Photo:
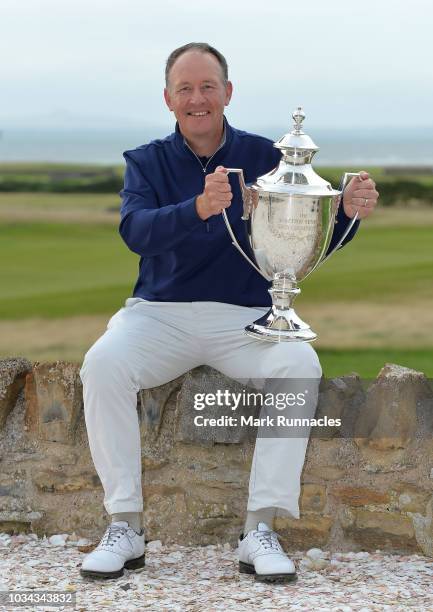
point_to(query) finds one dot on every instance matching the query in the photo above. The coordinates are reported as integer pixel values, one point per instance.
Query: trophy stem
(281, 323)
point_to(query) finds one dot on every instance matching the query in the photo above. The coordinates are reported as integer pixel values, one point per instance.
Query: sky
(100, 63)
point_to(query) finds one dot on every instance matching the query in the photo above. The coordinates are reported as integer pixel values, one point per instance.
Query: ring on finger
(365, 202)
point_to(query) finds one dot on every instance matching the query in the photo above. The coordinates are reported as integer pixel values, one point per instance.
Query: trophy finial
(297, 139)
(298, 117)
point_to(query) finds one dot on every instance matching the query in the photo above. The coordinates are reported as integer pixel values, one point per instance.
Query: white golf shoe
(260, 553)
(121, 547)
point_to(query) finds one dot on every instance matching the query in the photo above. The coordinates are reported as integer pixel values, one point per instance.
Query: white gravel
(197, 579)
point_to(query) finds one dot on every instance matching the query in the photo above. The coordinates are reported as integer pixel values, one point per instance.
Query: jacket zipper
(204, 168)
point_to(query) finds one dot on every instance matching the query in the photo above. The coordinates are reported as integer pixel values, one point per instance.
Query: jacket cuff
(346, 220)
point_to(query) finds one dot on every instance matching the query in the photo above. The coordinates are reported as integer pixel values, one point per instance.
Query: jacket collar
(225, 142)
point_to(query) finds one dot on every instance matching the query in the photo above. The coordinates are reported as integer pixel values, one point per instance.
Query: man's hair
(203, 48)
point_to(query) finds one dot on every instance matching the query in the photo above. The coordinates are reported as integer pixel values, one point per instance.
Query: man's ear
(167, 98)
(229, 91)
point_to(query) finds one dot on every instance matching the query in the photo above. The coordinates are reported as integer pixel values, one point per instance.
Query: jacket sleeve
(340, 227)
(147, 229)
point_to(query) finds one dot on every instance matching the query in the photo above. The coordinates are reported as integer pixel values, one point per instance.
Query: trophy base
(279, 325)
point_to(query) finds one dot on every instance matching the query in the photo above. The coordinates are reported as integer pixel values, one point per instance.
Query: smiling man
(193, 297)
(197, 91)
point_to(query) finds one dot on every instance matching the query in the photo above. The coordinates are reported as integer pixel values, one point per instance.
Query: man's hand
(360, 196)
(216, 196)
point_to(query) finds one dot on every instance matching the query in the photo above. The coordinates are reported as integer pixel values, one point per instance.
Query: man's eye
(184, 89)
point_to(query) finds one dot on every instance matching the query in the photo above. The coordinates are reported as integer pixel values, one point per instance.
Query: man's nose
(197, 96)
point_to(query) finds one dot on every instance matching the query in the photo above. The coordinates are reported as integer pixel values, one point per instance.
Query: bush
(393, 189)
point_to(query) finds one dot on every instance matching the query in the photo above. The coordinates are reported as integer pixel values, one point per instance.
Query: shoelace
(269, 540)
(112, 534)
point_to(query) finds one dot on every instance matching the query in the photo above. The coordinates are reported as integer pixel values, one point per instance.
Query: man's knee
(312, 364)
(297, 361)
(93, 367)
(101, 367)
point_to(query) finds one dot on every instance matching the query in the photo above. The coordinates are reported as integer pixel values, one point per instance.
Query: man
(193, 297)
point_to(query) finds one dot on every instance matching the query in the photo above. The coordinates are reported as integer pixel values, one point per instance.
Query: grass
(382, 264)
(368, 362)
(53, 202)
(73, 269)
(30, 168)
(56, 269)
(65, 270)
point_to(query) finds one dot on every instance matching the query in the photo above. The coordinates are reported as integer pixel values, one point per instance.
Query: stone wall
(371, 489)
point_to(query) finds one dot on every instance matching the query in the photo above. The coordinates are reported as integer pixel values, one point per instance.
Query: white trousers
(147, 344)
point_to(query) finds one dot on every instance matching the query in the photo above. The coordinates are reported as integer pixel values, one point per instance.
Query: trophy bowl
(290, 214)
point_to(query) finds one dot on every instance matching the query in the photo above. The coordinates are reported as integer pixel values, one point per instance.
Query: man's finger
(221, 187)
(356, 185)
(219, 177)
(219, 194)
(368, 184)
(362, 207)
(222, 197)
(221, 169)
(218, 191)
(365, 193)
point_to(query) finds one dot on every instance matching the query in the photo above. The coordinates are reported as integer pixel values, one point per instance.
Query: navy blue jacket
(182, 258)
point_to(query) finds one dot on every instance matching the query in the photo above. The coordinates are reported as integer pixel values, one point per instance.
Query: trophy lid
(297, 139)
(294, 175)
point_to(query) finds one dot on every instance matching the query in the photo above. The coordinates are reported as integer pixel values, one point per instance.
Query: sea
(373, 147)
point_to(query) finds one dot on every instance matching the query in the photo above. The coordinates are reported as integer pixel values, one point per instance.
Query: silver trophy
(290, 214)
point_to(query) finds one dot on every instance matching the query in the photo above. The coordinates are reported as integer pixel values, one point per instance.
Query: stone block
(12, 380)
(165, 509)
(19, 522)
(13, 485)
(311, 530)
(200, 509)
(398, 407)
(152, 463)
(410, 498)
(53, 401)
(313, 497)
(332, 454)
(386, 461)
(205, 380)
(214, 527)
(152, 404)
(339, 398)
(220, 492)
(162, 490)
(324, 472)
(59, 482)
(360, 496)
(383, 530)
(423, 526)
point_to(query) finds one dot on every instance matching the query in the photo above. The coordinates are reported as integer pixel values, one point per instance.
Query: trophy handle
(246, 199)
(245, 191)
(342, 186)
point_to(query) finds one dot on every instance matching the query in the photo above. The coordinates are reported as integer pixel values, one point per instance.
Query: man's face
(196, 93)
